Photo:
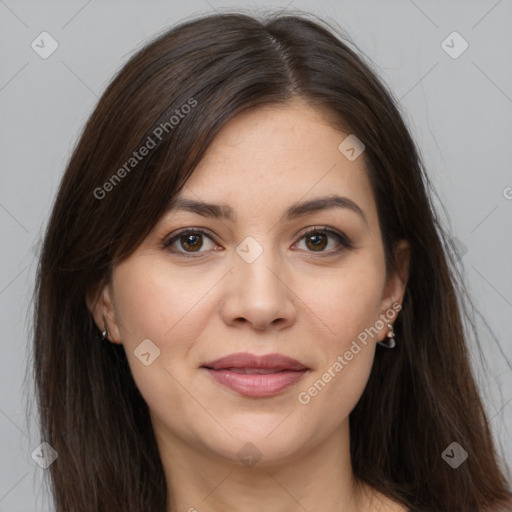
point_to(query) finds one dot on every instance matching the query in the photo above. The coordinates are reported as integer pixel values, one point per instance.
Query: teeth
(261, 371)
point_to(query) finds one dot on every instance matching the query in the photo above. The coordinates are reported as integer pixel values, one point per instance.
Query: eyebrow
(295, 211)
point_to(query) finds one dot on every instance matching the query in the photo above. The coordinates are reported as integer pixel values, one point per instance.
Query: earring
(104, 334)
(391, 338)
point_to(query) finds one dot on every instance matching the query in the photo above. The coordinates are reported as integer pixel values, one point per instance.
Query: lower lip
(255, 384)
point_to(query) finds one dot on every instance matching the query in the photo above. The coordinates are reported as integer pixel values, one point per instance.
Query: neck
(320, 479)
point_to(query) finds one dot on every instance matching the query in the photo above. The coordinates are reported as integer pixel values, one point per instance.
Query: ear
(100, 304)
(397, 281)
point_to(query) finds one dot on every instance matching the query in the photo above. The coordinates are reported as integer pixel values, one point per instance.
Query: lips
(241, 361)
(259, 371)
(256, 376)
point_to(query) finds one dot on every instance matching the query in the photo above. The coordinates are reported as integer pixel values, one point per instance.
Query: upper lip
(246, 360)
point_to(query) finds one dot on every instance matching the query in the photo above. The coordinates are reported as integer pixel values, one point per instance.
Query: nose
(259, 293)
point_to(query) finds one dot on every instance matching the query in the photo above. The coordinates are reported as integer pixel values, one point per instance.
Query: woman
(244, 301)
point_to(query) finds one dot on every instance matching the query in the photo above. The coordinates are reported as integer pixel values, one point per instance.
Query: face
(271, 279)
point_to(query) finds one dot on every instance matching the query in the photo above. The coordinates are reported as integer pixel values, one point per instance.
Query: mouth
(256, 376)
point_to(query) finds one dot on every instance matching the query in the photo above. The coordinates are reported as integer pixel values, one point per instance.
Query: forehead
(272, 157)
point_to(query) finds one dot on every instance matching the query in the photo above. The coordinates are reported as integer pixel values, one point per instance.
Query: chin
(254, 441)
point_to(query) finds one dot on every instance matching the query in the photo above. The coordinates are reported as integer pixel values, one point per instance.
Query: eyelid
(342, 239)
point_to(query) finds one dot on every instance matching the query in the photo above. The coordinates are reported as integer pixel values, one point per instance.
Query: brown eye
(188, 241)
(192, 242)
(317, 240)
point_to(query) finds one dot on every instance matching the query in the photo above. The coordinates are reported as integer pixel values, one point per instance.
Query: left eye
(316, 240)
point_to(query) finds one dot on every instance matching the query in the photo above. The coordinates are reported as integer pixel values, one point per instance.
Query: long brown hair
(172, 97)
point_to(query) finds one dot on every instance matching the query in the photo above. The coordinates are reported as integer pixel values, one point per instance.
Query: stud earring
(391, 343)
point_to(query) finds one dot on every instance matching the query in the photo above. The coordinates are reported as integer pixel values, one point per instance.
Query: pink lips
(256, 376)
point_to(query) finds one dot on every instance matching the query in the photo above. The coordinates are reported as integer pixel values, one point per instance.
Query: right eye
(191, 241)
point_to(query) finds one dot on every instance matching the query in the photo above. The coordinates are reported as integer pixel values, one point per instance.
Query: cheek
(348, 300)
(153, 304)
(327, 400)
(168, 308)
(350, 308)
(156, 303)
(349, 304)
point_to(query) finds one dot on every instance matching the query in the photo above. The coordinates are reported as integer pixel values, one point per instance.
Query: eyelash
(340, 237)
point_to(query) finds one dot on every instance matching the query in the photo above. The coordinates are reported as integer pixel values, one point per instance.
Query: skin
(290, 300)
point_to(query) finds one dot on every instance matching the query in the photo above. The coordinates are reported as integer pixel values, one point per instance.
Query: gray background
(459, 111)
